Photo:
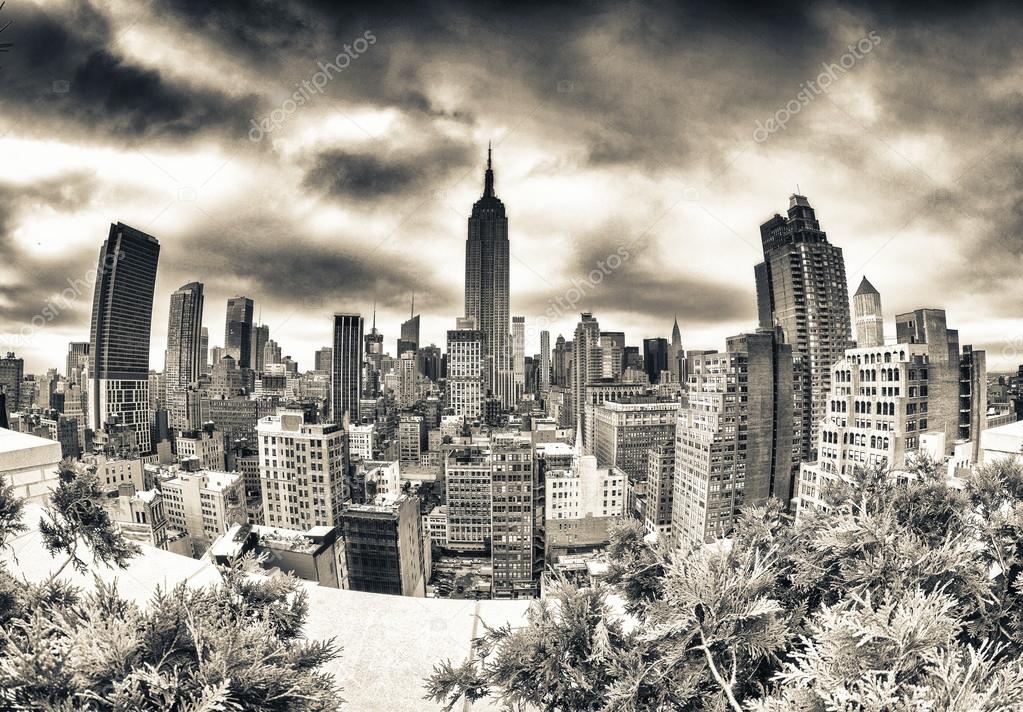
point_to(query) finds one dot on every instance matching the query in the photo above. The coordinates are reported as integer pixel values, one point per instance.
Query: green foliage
(563, 659)
(232, 646)
(904, 594)
(634, 567)
(75, 516)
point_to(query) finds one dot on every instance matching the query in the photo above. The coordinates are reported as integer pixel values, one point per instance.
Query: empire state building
(486, 286)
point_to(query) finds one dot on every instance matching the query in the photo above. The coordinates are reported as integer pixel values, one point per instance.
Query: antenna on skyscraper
(374, 315)
(489, 165)
(413, 304)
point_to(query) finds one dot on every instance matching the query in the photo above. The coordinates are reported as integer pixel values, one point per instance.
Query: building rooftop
(215, 481)
(555, 448)
(147, 496)
(389, 644)
(31, 449)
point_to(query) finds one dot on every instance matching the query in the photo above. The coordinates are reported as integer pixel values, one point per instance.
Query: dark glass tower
(184, 336)
(238, 331)
(655, 357)
(486, 285)
(801, 287)
(346, 370)
(183, 362)
(122, 312)
(260, 336)
(409, 340)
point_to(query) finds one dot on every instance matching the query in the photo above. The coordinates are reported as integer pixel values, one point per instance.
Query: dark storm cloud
(921, 133)
(602, 72)
(303, 273)
(65, 71)
(611, 270)
(36, 280)
(379, 173)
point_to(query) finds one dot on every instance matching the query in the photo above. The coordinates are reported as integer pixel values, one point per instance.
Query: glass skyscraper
(184, 360)
(122, 311)
(238, 331)
(346, 370)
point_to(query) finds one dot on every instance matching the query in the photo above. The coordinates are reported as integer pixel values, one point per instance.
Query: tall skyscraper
(260, 338)
(346, 372)
(676, 356)
(374, 355)
(518, 343)
(204, 350)
(867, 314)
(801, 287)
(122, 314)
(77, 359)
(322, 359)
(586, 366)
(545, 362)
(612, 347)
(655, 358)
(733, 450)
(374, 339)
(184, 336)
(238, 331)
(559, 366)
(216, 354)
(486, 284)
(271, 354)
(182, 361)
(409, 340)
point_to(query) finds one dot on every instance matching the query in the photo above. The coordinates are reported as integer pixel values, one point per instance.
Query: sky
(318, 159)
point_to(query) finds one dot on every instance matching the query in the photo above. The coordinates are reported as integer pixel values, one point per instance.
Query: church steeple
(488, 176)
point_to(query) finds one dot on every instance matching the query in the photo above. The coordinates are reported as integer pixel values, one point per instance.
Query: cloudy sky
(661, 133)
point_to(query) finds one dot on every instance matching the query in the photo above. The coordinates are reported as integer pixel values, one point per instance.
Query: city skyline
(345, 190)
(676, 345)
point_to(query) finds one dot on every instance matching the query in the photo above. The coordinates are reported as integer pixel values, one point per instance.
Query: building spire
(374, 315)
(413, 313)
(488, 176)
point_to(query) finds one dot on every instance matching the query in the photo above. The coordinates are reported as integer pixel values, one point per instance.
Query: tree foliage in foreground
(903, 596)
(235, 645)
